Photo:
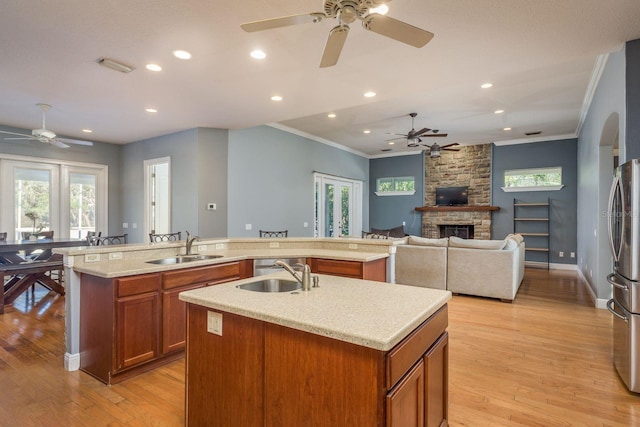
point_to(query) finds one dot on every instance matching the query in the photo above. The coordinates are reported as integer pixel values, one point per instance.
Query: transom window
(536, 179)
(396, 186)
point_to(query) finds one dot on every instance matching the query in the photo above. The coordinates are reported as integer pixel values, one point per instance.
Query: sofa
(486, 268)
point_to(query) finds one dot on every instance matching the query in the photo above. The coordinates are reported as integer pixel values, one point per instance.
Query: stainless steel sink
(183, 258)
(271, 285)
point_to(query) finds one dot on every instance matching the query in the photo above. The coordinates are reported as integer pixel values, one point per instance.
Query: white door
(338, 206)
(158, 196)
(84, 201)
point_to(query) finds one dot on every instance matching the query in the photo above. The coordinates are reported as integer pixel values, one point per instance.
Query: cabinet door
(405, 402)
(436, 368)
(137, 329)
(174, 319)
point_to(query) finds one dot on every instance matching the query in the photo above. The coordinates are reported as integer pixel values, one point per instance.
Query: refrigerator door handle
(614, 188)
(611, 278)
(614, 312)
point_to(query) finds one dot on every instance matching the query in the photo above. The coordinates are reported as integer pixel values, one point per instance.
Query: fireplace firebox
(463, 231)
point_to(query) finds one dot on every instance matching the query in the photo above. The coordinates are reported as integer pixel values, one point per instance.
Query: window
(396, 186)
(539, 179)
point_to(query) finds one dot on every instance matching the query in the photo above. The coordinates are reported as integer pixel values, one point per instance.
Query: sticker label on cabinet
(214, 323)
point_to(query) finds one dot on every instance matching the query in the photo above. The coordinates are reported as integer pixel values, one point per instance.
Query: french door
(338, 206)
(44, 196)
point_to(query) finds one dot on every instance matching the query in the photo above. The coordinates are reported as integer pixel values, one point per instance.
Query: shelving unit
(536, 228)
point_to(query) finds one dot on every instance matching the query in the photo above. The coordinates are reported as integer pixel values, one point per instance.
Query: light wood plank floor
(544, 360)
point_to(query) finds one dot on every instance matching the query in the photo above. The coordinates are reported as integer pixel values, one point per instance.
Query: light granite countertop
(377, 315)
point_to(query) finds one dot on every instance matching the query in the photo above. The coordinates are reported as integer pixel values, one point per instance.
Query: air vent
(115, 65)
(538, 132)
(384, 150)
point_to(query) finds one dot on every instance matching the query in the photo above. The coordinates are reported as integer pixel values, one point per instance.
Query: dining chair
(166, 237)
(45, 234)
(281, 233)
(109, 240)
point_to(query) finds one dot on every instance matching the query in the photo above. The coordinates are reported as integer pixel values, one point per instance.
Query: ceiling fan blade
(451, 149)
(15, 133)
(23, 138)
(399, 134)
(449, 145)
(75, 141)
(284, 21)
(397, 30)
(58, 143)
(421, 131)
(335, 42)
(435, 135)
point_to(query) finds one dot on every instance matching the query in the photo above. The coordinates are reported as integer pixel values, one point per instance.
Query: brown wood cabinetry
(133, 324)
(372, 270)
(277, 376)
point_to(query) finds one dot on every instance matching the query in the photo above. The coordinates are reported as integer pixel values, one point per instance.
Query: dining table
(24, 263)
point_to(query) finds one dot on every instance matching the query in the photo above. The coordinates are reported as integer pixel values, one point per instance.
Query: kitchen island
(348, 353)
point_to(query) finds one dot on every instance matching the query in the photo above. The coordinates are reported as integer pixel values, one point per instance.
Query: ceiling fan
(45, 135)
(347, 11)
(414, 138)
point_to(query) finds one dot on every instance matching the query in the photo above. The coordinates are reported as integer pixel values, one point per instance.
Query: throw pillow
(423, 241)
(393, 232)
(372, 235)
(457, 242)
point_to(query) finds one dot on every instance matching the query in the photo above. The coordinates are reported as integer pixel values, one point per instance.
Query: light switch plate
(202, 248)
(219, 245)
(274, 244)
(92, 258)
(115, 255)
(214, 323)
(353, 246)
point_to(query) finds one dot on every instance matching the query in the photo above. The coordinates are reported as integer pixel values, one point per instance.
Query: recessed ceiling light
(486, 85)
(154, 67)
(87, 131)
(151, 110)
(276, 98)
(182, 54)
(258, 54)
(382, 9)
(367, 131)
(392, 143)
(331, 115)
(506, 128)
(370, 94)
(498, 112)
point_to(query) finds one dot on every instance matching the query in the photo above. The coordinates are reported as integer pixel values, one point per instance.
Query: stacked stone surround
(470, 167)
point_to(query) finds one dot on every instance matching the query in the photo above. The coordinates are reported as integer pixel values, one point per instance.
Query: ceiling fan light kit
(347, 12)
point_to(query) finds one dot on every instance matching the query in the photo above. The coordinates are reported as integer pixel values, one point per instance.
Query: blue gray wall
(563, 203)
(390, 211)
(100, 153)
(603, 125)
(271, 180)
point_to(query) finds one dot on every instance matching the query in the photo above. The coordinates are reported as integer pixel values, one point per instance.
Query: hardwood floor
(544, 360)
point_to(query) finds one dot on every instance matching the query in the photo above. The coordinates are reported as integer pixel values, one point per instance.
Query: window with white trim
(534, 179)
(396, 186)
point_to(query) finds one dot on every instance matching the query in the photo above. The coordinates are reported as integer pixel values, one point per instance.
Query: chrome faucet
(190, 241)
(305, 280)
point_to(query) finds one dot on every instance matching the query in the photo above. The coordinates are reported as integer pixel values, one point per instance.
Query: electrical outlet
(404, 223)
(305, 224)
(353, 246)
(219, 245)
(573, 254)
(214, 323)
(561, 254)
(211, 206)
(274, 244)
(115, 255)
(202, 248)
(92, 258)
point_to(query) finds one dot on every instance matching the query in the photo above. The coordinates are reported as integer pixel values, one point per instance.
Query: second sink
(183, 258)
(271, 285)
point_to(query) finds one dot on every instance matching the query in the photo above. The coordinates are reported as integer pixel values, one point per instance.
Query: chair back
(281, 233)
(91, 235)
(3, 236)
(108, 240)
(168, 237)
(45, 234)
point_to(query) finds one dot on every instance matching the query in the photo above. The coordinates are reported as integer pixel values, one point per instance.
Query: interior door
(158, 195)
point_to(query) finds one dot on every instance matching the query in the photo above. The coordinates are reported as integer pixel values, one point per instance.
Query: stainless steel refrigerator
(624, 240)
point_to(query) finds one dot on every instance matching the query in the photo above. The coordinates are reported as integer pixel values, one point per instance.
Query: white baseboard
(71, 361)
(551, 265)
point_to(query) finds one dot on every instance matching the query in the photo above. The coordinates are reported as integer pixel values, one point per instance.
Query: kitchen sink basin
(271, 285)
(183, 258)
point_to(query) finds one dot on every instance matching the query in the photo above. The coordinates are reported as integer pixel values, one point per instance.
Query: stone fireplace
(470, 167)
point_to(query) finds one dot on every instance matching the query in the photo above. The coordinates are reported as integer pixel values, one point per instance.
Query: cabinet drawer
(404, 355)
(211, 274)
(337, 267)
(138, 284)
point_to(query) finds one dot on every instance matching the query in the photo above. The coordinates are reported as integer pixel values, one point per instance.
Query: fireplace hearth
(463, 231)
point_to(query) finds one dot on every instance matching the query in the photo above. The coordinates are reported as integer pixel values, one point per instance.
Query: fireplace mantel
(456, 208)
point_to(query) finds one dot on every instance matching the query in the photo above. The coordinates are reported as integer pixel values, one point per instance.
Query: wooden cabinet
(372, 270)
(278, 376)
(133, 324)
